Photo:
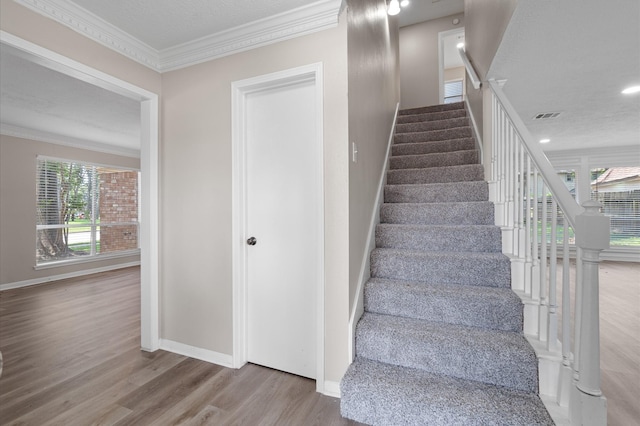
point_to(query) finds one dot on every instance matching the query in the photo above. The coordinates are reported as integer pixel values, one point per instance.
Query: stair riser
(438, 213)
(503, 311)
(462, 239)
(433, 135)
(437, 192)
(433, 147)
(432, 116)
(432, 108)
(425, 126)
(457, 158)
(464, 173)
(467, 358)
(445, 268)
(381, 394)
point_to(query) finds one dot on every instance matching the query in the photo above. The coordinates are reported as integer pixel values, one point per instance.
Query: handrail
(566, 202)
(473, 75)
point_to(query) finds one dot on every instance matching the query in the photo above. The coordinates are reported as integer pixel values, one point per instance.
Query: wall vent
(545, 115)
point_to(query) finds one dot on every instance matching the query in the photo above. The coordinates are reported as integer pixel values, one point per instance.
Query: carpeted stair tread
(434, 135)
(466, 268)
(437, 192)
(440, 238)
(432, 116)
(440, 341)
(448, 145)
(474, 306)
(425, 126)
(502, 358)
(431, 108)
(455, 213)
(381, 394)
(461, 173)
(437, 159)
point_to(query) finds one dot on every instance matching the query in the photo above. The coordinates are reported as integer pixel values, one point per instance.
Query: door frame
(149, 221)
(239, 92)
(441, 36)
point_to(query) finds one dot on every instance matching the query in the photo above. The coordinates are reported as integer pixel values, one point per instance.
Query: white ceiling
(162, 24)
(574, 57)
(424, 10)
(48, 104)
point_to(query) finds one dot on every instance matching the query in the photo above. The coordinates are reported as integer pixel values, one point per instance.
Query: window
(618, 190)
(452, 91)
(84, 211)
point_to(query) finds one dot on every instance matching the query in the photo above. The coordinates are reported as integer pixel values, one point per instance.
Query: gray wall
(419, 67)
(374, 92)
(18, 207)
(486, 22)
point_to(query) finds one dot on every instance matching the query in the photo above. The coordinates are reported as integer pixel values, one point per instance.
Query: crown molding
(305, 20)
(317, 16)
(95, 28)
(53, 138)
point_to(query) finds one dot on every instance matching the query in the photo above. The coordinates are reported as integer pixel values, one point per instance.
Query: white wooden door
(282, 216)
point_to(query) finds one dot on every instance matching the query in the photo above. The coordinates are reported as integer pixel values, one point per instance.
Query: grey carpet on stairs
(440, 341)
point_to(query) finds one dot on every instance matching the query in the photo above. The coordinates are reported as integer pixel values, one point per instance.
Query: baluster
(543, 267)
(527, 235)
(552, 326)
(565, 373)
(521, 193)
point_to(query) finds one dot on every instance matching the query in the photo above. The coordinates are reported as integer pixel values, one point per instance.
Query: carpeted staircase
(440, 341)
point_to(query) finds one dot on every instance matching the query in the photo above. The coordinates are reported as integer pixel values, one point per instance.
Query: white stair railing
(540, 222)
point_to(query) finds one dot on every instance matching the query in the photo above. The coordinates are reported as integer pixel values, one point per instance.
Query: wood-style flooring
(71, 357)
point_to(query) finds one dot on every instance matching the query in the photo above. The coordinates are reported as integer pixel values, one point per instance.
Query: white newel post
(588, 405)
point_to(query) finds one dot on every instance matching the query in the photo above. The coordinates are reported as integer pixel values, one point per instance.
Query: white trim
(95, 28)
(365, 266)
(149, 223)
(239, 90)
(318, 16)
(197, 353)
(441, 36)
(474, 124)
(610, 156)
(304, 20)
(332, 389)
(48, 137)
(49, 278)
(87, 259)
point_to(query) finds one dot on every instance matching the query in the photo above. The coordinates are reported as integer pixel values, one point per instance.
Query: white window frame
(93, 256)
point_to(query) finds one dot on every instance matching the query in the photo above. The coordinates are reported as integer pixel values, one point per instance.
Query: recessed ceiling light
(631, 89)
(460, 45)
(545, 140)
(404, 3)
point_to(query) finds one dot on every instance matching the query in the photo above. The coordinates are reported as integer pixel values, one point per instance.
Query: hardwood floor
(71, 357)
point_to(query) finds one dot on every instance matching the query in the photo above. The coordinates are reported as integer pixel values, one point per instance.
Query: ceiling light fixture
(545, 140)
(631, 89)
(460, 45)
(394, 7)
(404, 3)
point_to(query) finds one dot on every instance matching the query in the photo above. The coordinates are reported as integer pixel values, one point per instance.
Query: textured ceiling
(574, 57)
(423, 10)
(167, 23)
(37, 98)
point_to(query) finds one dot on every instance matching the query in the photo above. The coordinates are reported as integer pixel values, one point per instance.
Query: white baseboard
(35, 281)
(197, 353)
(331, 389)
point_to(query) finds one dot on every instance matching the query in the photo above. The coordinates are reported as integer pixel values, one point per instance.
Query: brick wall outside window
(118, 203)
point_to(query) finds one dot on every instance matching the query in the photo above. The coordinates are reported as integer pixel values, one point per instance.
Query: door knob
(252, 241)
